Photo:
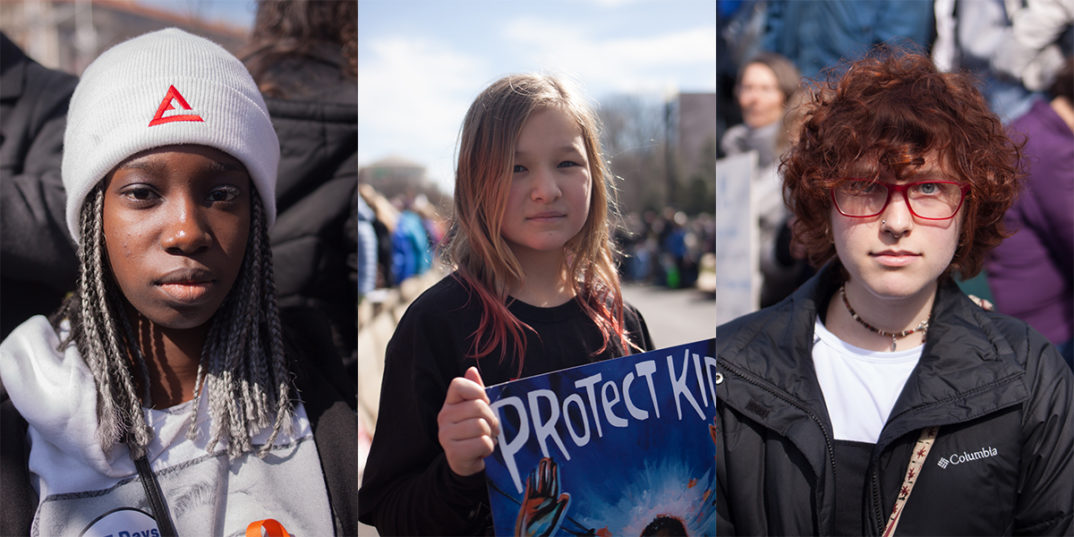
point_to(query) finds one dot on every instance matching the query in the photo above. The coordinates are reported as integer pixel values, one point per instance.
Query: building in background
(402, 181)
(695, 146)
(69, 34)
(696, 128)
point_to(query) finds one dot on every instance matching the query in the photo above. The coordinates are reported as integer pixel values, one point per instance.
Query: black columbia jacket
(999, 392)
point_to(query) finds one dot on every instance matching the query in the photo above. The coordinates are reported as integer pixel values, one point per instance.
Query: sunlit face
(895, 254)
(176, 221)
(548, 202)
(759, 96)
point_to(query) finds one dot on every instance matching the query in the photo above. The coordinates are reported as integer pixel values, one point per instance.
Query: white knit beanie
(163, 88)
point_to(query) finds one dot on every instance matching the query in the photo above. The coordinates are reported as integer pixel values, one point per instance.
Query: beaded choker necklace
(924, 326)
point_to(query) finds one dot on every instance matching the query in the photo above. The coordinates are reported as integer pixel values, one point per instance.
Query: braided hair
(242, 371)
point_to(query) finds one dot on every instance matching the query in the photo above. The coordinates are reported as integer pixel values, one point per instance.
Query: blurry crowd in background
(397, 238)
(770, 52)
(667, 249)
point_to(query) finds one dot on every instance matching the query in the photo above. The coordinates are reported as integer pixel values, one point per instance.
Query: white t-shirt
(860, 386)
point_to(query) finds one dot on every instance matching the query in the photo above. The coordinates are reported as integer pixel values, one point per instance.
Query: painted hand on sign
(543, 507)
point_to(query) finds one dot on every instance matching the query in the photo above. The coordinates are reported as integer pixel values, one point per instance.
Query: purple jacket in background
(1031, 274)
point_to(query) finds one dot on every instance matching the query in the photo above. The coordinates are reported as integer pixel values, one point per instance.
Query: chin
(180, 320)
(896, 287)
(542, 246)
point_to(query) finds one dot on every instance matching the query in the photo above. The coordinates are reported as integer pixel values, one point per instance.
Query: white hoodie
(86, 490)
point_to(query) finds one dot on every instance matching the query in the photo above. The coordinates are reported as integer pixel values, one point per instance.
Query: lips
(895, 258)
(186, 285)
(546, 216)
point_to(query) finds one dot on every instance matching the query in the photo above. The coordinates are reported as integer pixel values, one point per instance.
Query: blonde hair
(474, 245)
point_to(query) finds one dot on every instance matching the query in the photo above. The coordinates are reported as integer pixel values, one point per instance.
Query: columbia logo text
(964, 457)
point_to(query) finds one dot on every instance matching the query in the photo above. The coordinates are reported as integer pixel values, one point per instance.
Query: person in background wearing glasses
(878, 399)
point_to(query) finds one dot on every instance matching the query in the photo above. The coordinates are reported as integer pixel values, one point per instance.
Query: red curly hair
(887, 114)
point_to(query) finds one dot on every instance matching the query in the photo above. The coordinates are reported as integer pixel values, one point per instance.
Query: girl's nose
(185, 232)
(896, 217)
(544, 187)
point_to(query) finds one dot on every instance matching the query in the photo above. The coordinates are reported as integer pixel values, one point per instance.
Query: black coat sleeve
(1045, 504)
(408, 487)
(37, 251)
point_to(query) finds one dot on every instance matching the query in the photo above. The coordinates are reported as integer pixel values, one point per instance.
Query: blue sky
(237, 12)
(421, 63)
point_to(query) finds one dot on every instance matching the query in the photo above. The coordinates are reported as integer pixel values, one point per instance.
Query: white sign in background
(737, 272)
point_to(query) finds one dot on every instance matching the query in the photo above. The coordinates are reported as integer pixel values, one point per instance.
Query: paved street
(674, 316)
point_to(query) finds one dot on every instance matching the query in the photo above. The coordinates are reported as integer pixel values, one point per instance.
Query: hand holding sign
(467, 424)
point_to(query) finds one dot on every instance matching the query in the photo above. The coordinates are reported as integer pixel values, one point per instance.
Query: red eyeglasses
(929, 200)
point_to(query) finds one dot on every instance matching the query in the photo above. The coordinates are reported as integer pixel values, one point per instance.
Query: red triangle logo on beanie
(173, 95)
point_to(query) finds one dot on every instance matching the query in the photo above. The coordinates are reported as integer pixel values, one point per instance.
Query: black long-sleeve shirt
(408, 487)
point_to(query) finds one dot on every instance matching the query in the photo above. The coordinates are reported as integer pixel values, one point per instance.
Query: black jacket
(326, 392)
(314, 109)
(991, 384)
(37, 260)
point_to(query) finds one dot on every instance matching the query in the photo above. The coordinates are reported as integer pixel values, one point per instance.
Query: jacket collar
(774, 347)
(967, 368)
(769, 377)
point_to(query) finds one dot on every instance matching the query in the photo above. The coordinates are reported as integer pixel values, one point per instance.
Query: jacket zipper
(877, 509)
(816, 419)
